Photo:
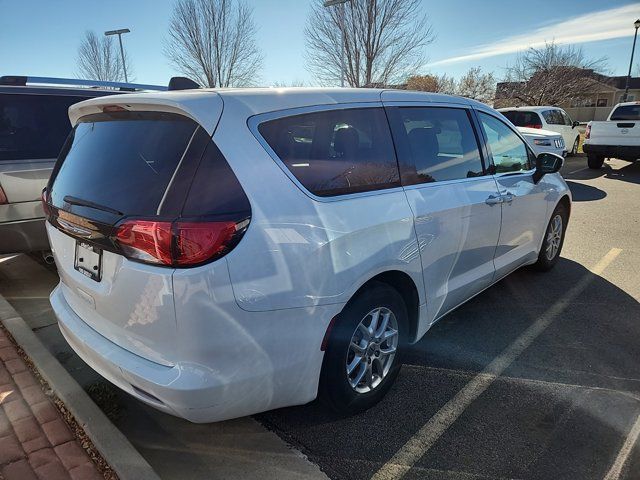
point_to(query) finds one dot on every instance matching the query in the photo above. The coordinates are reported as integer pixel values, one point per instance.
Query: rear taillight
(587, 132)
(3, 197)
(147, 241)
(534, 125)
(177, 244)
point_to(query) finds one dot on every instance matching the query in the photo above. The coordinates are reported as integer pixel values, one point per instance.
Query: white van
(226, 252)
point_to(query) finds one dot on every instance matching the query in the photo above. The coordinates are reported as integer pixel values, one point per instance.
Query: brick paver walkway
(35, 441)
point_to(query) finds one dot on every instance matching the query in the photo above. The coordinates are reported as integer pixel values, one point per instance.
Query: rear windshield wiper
(71, 200)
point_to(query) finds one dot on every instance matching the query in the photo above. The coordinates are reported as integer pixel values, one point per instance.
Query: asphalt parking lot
(536, 378)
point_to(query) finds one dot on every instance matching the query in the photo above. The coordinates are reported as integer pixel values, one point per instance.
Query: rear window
(33, 126)
(523, 119)
(124, 161)
(626, 112)
(336, 152)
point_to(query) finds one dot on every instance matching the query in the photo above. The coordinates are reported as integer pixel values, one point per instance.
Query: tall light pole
(330, 3)
(119, 33)
(635, 35)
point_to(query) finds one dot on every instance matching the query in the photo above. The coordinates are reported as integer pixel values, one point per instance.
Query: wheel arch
(408, 290)
(566, 202)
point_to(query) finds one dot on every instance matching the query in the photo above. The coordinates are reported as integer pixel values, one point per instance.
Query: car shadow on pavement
(592, 344)
(629, 172)
(584, 193)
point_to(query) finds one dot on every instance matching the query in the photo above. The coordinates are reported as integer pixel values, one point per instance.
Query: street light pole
(119, 33)
(329, 3)
(636, 24)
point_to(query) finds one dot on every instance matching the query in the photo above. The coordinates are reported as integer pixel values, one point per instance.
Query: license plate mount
(88, 260)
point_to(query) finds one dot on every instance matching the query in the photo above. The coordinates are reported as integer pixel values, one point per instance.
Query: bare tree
(549, 75)
(213, 42)
(477, 85)
(99, 59)
(286, 84)
(432, 83)
(384, 41)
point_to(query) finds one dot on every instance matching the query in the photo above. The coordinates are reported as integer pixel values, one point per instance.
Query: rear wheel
(595, 161)
(363, 356)
(553, 239)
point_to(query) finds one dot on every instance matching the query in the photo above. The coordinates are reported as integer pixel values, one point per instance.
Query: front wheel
(595, 162)
(553, 239)
(363, 356)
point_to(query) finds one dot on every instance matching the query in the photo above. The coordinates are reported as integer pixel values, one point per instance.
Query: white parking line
(625, 451)
(576, 171)
(430, 432)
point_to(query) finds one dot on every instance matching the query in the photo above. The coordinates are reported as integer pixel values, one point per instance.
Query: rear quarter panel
(300, 251)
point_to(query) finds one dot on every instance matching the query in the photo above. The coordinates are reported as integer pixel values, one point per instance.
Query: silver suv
(34, 124)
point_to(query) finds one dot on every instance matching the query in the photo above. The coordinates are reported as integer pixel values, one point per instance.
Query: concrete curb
(114, 447)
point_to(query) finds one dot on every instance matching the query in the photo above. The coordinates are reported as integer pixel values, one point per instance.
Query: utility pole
(329, 3)
(119, 33)
(636, 24)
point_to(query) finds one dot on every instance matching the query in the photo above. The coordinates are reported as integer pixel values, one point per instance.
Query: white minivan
(226, 252)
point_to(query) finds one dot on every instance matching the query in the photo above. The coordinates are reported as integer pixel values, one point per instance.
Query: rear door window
(335, 152)
(33, 126)
(124, 161)
(435, 144)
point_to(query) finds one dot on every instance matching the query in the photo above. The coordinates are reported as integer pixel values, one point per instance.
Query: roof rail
(17, 80)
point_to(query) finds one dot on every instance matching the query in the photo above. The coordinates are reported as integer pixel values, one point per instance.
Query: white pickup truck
(617, 137)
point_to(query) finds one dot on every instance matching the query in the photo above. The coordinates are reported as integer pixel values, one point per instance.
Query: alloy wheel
(554, 237)
(372, 350)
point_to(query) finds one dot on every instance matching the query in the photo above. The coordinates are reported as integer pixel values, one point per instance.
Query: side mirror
(575, 124)
(547, 163)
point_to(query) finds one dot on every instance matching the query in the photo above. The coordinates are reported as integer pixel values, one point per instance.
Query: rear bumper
(23, 236)
(624, 152)
(196, 392)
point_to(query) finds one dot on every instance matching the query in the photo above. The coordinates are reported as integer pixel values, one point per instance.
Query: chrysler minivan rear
(135, 195)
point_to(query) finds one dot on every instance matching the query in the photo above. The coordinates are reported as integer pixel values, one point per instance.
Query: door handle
(508, 197)
(493, 200)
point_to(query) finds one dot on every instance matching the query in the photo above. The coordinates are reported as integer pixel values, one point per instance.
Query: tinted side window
(566, 118)
(336, 152)
(435, 144)
(33, 126)
(215, 191)
(508, 151)
(523, 119)
(553, 117)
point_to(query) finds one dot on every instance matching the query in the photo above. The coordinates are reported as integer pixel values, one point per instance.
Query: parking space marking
(625, 451)
(576, 171)
(430, 432)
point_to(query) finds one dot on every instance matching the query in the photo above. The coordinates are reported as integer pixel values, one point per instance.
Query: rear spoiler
(203, 106)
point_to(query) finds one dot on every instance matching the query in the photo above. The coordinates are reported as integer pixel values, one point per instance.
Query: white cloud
(590, 27)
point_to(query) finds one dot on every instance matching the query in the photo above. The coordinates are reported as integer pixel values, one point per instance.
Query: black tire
(546, 260)
(576, 145)
(335, 390)
(595, 162)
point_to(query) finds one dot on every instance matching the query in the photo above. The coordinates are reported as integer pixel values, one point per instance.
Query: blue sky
(41, 37)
